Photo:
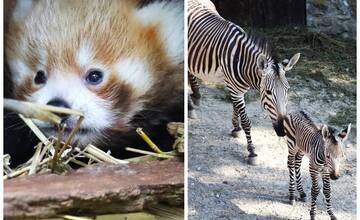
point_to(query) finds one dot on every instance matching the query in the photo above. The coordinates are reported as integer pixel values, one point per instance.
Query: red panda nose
(60, 103)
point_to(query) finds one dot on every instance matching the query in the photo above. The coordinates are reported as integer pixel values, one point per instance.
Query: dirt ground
(223, 186)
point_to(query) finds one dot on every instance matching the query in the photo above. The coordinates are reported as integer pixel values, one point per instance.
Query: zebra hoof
(196, 101)
(192, 114)
(302, 197)
(333, 218)
(235, 133)
(291, 200)
(252, 160)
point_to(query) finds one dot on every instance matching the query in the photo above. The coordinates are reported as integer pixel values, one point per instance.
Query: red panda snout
(57, 102)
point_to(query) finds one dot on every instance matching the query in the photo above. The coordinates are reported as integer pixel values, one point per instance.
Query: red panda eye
(40, 77)
(94, 77)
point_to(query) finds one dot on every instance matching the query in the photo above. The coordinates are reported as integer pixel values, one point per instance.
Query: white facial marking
(84, 55)
(136, 73)
(22, 9)
(43, 57)
(42, 60)
(170, 17)
(19, 70)
(98, 112)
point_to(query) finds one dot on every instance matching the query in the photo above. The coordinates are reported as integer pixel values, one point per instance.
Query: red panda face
(98, 58)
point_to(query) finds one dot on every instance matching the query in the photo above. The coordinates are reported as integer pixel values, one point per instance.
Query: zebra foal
(220, 51)
(323, 146)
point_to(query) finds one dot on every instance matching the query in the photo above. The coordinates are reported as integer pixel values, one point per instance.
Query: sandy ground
(223, 186)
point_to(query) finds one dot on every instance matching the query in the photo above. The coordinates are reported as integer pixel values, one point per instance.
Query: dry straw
(55, 154)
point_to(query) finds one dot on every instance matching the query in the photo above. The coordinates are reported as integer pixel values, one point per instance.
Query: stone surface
(97, 189)
(336, 17)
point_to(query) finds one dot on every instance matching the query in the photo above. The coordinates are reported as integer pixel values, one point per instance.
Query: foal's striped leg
(291, 167)
(298, 158)
(327, 194)
(314, 190)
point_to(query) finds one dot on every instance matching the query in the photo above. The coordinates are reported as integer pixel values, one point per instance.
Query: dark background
(263, 13)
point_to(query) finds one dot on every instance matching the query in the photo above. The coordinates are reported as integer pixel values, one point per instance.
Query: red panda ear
(152, 42)
(150, 33)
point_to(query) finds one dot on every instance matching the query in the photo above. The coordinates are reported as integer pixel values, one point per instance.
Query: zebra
(220, 51)
(323, 145)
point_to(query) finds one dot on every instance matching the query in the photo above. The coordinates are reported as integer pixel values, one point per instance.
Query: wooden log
(96, 189)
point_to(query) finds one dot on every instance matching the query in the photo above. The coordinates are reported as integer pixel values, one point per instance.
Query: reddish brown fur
(25, 89)
(127, 37)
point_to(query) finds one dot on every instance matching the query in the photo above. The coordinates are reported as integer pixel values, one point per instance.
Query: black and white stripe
(221, 51)
(323, 146)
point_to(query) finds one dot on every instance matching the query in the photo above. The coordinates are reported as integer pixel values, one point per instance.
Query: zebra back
(305, 134)
(217, 45)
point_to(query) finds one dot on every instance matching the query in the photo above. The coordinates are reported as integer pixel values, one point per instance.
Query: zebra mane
(265, 46)
(305, 115)
(309, 119)
(332, 130)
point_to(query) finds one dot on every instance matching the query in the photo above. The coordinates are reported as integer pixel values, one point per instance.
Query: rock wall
(335, 17)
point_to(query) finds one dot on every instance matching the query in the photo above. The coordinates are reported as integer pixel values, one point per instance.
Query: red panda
(120, 62)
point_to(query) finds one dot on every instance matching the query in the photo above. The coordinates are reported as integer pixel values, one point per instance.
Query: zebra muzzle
(334, 176)
(279, 127)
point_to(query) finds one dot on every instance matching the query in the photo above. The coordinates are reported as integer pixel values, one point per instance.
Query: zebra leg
(314, 191)
(239, 109)
(195, 97)
(326, 191)
(291, 167)
(192, 112)
(235, 121)
(298, 159)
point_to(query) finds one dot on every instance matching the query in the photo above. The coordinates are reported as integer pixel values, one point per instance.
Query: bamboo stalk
(6, 162)
(91, 149)
(78, 162)
(31, 110)
(46, 149)
(70, 217)
(35, 129)
(90, 156)
(148, 153)
(142, 158)
(78, 153)
(148, 141)
(35, 160)
(24, 169)
(57, 148)
(72, 134)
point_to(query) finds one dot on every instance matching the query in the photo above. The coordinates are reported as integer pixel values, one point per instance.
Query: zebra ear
(294, 59)
(325, 131)
(262, 62)
(344, 134)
